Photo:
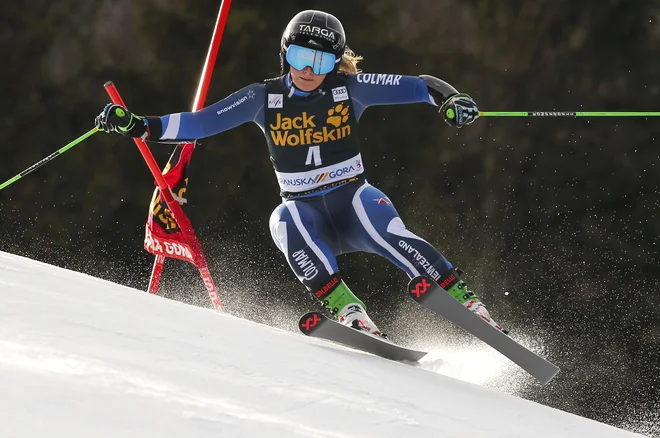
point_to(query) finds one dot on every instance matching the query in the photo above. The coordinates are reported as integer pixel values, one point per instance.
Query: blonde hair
(349, 62)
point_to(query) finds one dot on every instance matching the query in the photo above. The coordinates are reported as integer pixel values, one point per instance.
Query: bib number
(314, 156)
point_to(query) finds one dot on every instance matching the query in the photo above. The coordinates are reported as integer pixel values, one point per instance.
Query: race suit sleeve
(367, 89)
(245, 105)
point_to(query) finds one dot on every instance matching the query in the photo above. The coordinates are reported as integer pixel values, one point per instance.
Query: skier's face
(306, 79)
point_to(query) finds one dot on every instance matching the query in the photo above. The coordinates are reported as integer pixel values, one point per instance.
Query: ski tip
(418, 286)
(310, 321)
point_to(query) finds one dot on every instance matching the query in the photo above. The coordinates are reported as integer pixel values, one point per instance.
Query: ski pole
(55, 154)
(567, 114)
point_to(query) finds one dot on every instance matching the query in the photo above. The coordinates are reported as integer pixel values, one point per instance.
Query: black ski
(317, 325)
(430, 295)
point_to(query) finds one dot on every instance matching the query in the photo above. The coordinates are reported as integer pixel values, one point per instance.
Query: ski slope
(83, 357)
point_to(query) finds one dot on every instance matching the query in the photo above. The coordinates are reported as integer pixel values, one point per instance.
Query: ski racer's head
(313, 47)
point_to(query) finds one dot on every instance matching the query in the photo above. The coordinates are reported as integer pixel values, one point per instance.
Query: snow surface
(83, 357)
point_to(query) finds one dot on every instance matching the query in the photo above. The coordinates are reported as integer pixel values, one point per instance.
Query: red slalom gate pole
(207, 71)
(156, 273)
(175, 208)
(200, 98)
(166, 193)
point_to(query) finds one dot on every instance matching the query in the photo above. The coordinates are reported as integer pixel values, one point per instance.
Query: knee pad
(277, 228)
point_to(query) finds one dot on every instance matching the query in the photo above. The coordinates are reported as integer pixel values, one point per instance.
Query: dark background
(561, 214)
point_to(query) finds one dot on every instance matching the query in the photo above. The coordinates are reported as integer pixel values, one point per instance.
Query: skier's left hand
(459, 110)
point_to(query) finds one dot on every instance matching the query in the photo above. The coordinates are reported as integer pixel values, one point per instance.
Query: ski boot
(458, 289)
(347, 308)
(354, 316)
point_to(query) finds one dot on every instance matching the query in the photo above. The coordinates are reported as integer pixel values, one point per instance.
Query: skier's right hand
(118, 119)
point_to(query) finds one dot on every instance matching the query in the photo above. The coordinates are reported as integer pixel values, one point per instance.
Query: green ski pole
(567, 114)
(48, 158)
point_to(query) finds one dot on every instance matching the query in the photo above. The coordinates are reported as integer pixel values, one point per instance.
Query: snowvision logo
(249, 95)
(303, 131)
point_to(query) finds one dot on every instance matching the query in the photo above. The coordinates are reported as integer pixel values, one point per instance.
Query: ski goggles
(300, 57)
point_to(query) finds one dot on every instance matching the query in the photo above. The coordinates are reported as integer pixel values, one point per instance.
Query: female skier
(309, 117)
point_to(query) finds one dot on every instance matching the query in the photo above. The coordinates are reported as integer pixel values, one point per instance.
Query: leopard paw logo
(337, 115)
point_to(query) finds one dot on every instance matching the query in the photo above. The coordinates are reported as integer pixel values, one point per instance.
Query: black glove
(459, 110)
(118, 119)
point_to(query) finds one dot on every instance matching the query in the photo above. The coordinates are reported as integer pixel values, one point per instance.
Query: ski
(317, 325)
(430, 295)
